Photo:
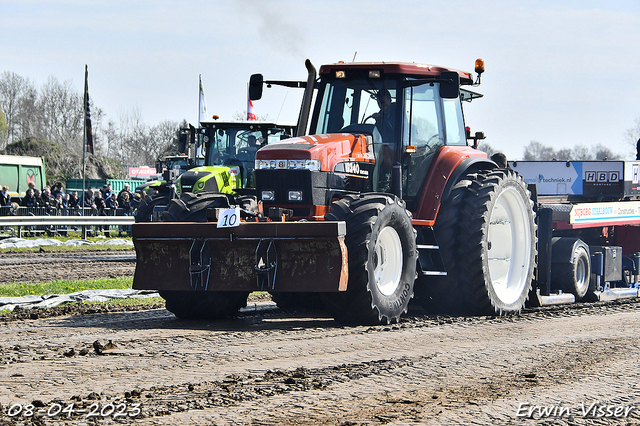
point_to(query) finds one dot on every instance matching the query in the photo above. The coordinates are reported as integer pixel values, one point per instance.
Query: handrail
(53, 221)
(66, 220)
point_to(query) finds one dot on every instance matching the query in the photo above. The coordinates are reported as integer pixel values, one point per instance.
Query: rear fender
(450, 164)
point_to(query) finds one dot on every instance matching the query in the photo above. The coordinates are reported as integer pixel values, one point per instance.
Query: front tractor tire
(381, 245)
(204, 305)
(145, 210)
(498, 240)
(200, 305)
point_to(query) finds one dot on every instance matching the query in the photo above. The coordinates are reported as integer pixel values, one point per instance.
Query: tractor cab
(409, 110)
(229, 154)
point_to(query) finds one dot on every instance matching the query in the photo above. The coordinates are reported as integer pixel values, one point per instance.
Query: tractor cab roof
(404, 68)
(250, 125)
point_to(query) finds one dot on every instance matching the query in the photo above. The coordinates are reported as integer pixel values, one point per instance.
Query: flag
(202, 114)
(250, 115)
(88, 143)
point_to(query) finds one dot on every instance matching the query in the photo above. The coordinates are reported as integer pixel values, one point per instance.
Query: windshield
(356, 104)
(238, 147)
(183, 163)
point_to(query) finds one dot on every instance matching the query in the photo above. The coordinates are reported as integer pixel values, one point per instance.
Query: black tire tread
(360, 212)
(203, 305)
(477, 297)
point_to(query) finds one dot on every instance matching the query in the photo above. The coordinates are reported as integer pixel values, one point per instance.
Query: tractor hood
(325, 150)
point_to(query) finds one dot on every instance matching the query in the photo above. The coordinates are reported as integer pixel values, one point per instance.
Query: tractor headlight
(296, 164)
(295, 195)
(265, 164)
(268, 195)
(313, 165)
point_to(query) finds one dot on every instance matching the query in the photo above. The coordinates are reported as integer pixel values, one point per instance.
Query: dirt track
(268, 368)
(70, 265)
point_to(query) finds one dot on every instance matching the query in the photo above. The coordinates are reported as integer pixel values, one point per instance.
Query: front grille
(312, 184)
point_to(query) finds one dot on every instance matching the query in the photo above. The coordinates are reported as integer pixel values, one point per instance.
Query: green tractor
(225, 174)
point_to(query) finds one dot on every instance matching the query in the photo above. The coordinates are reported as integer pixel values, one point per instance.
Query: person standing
(5, 198)
(124, 190)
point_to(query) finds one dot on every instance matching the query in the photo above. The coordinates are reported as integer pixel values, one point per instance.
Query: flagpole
(84, 133)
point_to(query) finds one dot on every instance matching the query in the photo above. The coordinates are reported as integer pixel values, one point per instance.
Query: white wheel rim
(387, 261)
(581, 273)
(509, 245)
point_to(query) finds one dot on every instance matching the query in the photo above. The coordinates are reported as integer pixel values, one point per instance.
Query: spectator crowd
(58, 201)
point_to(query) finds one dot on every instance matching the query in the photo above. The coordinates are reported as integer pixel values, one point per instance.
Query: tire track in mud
(463, 379)
(46, 266)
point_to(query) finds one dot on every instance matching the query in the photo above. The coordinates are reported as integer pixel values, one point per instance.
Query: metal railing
(37, 221)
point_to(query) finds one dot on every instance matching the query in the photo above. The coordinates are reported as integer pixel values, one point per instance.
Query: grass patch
(64, 286)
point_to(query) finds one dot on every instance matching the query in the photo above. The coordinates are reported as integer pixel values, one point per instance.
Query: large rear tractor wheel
(382, 254)
(199, 305)
(443, 294)
(497, 243)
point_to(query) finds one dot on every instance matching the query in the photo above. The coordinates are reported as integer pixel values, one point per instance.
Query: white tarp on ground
(50, 300)
(22, 243)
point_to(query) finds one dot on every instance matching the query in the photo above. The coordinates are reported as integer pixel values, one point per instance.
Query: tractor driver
(252, 141)
(385, 148)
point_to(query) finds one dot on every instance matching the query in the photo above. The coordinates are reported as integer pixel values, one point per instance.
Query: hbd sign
(602, 176)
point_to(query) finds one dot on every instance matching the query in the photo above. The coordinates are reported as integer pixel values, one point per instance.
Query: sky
(560, 72)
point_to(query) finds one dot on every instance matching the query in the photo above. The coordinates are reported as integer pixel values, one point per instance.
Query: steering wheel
(374, 115)
(431, 144)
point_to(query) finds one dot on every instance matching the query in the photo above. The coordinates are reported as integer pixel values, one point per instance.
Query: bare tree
(60, 107)
(537, 151)
(4, 130)
(16, 94)
(132, 142)
(581, 153)
(485, 147)
(602, 153)
(632, 135)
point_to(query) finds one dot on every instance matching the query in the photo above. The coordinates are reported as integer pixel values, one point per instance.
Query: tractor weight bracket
(200, 264)
(266, 264)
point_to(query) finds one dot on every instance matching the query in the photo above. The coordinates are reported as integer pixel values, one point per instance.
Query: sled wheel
(573, 274)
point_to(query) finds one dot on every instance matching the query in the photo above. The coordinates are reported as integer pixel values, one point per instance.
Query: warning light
(479, 66)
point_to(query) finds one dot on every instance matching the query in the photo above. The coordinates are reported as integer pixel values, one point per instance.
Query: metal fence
(40, 221)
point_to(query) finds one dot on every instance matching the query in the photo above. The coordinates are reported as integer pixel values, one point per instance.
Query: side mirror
(255, 87)
(449, 85)
(182, 143)
(192, 134)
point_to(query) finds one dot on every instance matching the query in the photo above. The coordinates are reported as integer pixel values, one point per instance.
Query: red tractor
(382, 201)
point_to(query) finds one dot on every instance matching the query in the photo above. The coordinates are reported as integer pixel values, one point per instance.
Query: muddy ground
(46, 266)
(569, 366)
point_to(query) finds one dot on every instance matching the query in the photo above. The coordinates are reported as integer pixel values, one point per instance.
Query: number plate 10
(229, 218)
